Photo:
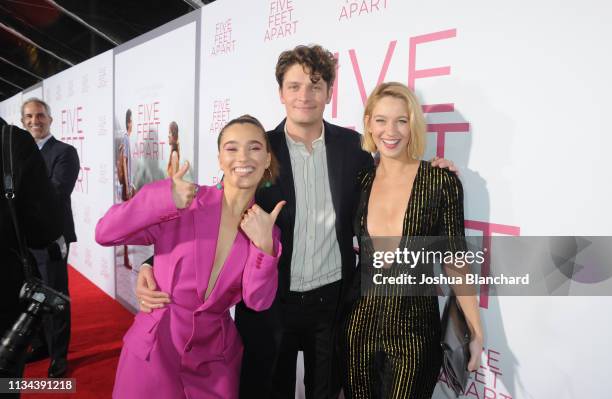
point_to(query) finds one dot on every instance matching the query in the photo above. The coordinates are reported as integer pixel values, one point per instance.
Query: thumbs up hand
(174, 163)
(257, 225)
(183, 192)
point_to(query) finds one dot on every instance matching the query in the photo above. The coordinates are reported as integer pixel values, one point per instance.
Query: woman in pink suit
(213, 249)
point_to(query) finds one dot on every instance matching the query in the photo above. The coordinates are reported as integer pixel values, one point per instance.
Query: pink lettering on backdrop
(438, 108)
(440, 129)
(223, 38)
(483, 382)
(488, 229)
(381, 75)
(102, 78)
(220, 115)
(413, 73)
(71, 125)
(281, 20)
(148, 144)
(357, 8)
(335, 89)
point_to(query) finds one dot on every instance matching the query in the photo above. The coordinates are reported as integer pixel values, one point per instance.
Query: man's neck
(305, 134)
(38, 140)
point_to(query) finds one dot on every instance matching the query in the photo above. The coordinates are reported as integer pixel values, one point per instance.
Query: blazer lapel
(335, 165)
(206, 221)
(279, 146)
(46, 152)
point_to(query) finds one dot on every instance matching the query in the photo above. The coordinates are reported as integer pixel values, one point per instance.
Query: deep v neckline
(408, 203)
(224, 264)
(221, 268)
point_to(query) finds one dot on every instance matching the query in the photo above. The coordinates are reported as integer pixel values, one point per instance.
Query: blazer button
(188, 348)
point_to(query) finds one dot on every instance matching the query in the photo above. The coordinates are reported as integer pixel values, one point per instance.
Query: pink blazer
(189, 236)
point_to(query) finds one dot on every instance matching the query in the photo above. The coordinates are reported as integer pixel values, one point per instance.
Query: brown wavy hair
(320, 62)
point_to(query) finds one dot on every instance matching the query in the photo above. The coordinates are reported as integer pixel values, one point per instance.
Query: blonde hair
(418, 128)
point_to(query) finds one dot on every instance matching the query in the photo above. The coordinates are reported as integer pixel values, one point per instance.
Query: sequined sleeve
(452, 213)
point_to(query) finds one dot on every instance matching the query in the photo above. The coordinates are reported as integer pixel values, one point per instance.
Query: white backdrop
(516, 96)
(34, 91)
(520, 89)
(10, 110)
(81, 100)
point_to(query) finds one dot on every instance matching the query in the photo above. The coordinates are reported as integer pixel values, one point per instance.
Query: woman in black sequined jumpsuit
(392, 339)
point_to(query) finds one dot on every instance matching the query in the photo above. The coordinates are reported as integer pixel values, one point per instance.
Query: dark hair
(128, 117)
(247, 119)
(174, 131)
(319, 62)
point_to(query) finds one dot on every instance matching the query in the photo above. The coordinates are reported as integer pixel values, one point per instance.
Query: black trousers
(56, 328)
(308, 325)
(261, 336)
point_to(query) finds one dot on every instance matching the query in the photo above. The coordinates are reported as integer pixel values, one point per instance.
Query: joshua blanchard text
(440, 279)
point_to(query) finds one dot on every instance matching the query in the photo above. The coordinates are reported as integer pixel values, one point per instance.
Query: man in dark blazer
(39, 222)
(63, 169)
(319, 163)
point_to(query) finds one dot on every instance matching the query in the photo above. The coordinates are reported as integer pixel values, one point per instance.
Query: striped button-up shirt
(315, 260)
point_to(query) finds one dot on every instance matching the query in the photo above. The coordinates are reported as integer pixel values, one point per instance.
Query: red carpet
(98, 325)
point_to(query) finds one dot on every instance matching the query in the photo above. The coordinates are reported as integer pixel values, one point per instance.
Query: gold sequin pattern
(392, 343)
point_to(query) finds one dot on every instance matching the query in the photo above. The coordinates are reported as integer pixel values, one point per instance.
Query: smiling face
(243, 156)
(389, 125)
(36, 120)
(304, 100)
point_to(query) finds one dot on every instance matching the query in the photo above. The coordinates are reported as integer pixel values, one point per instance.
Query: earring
(219, 185)
(268, 182)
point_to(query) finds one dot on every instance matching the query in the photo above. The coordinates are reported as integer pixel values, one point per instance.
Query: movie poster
(154, 121)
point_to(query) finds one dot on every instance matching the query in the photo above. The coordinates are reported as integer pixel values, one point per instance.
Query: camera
(40, 299)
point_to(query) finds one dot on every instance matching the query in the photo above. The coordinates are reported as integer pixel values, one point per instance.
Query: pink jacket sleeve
(260, 277)
(137, 221)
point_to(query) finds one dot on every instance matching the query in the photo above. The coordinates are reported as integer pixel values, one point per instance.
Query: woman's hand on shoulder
(257, 224)
(444, 163)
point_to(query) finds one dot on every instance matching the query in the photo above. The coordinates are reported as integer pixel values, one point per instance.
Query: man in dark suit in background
(39, 222)
(63, 169)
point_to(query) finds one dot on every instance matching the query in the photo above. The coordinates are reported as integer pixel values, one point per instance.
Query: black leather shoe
(58, 368)
(37, 354)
